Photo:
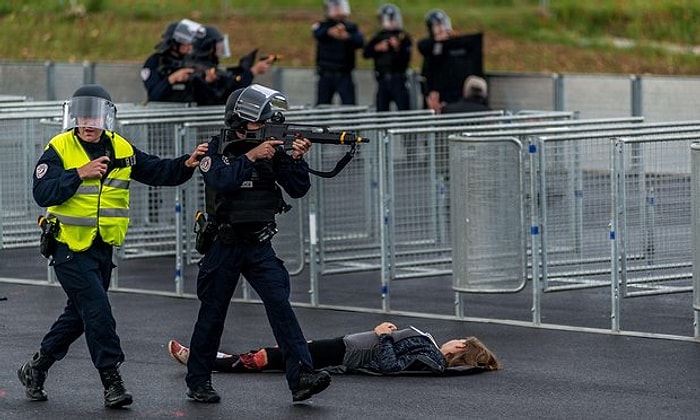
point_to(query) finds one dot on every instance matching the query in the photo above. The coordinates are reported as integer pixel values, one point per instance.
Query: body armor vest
(258, 200)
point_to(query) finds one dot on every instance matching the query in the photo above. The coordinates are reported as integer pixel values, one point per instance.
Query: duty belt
(230, 235)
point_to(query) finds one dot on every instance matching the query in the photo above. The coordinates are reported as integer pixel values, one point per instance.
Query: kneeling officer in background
(82, 178)
(243, 179)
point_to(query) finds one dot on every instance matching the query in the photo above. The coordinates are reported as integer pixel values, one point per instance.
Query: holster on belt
(49, 230)
(205, 231)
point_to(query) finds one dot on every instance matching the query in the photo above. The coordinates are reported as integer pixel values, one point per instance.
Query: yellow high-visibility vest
(98, 205)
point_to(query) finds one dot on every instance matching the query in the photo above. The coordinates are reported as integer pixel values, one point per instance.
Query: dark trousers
(85, 278)
(218, 276)
(325, 353)
(330, 83)
(392, 88)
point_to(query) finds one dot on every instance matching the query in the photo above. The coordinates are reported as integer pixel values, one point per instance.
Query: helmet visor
(186, 31)
(337, 8)
(390, 18)
(222, 48)
(89, 111)
(252, 104)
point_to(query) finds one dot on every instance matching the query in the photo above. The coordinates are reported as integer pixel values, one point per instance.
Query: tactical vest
(98, 205)
(258, 200)
(181, 91)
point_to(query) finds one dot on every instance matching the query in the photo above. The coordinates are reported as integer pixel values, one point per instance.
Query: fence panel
(487, 202)
(655, 237)
(695, 203)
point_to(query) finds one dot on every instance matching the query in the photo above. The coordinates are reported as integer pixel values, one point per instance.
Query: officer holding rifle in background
(207, 53)
(165, 75)
(185, 67)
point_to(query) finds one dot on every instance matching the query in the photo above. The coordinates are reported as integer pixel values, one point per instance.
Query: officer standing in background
(167, 74)
(242, 187)
(391, 50)
(336, 42)
(448, 59)
(82, 178)
(208, 51)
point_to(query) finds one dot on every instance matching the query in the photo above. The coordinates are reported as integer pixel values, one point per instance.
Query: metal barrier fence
(487, 215)
(575, 209)
(657, 98)
(627, 227)
(651, 210)
(695, 204)
(398, 207)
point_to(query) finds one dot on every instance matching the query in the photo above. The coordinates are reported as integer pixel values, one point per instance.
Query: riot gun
(203, 65)
(290, 132)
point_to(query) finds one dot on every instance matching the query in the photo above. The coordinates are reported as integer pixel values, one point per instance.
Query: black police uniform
(155, 74)
(243, 197)
(85, 275)
(390, 69)
(228, 79)
(446, 64)
(335, 61)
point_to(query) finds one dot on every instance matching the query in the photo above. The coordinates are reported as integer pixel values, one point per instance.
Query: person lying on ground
(386, 350)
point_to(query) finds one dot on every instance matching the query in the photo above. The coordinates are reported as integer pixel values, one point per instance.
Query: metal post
(88, 72)
(534, 233)
(313, 254)
(50, 80)
(615, 235)
(695, 199)
(558, 81)
(385, 230)
(636, 87)
(179, 247)
(542, 211)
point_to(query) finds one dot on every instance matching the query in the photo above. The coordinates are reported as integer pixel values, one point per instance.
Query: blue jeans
(219, 271)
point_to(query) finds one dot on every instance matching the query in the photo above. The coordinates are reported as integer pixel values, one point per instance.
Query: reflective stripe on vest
(96, 206)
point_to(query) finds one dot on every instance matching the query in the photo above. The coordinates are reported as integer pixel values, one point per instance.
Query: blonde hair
(475, 353)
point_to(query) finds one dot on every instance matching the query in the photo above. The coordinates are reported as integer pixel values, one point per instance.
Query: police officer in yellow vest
(82, 178)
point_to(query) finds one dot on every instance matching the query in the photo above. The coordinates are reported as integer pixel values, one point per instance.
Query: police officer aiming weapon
(276, 129)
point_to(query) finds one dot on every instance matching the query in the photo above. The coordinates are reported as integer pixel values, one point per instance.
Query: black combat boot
(204, 393)
(116, 395)
(32, 374)
(310, 383)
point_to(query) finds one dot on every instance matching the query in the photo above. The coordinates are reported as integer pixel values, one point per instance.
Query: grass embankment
(566, 36)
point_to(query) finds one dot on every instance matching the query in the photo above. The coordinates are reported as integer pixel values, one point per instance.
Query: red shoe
(253, 361)
(178, 352)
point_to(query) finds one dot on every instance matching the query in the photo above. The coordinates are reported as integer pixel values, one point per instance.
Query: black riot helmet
(90, 106)
(389, 16)
(213, 43)
(252, 104)
(183, 32)
(436, 20)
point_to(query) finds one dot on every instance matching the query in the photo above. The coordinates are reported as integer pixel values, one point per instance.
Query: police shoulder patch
(225, 159)
(205, 164)
(145, 73)
(41, 170)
